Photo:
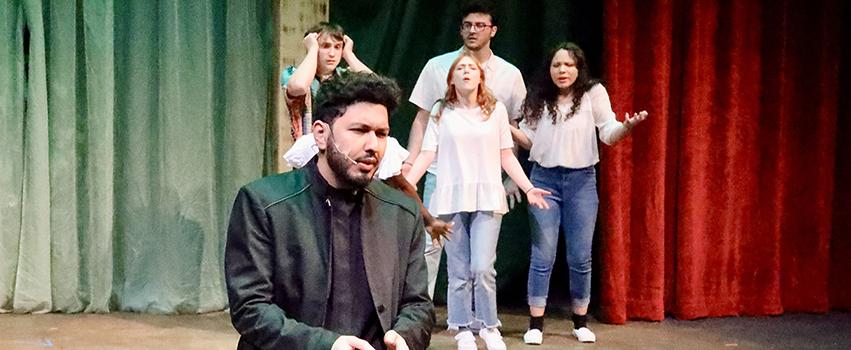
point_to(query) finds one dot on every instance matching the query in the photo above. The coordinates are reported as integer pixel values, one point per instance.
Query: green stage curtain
(126, 128)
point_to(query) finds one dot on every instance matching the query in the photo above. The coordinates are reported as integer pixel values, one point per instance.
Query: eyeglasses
(479, 26)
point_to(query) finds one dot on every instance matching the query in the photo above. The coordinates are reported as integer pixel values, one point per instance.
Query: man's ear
(493, 31)
(321, 130)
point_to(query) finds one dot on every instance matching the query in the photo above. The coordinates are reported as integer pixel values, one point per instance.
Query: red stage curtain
(730, 199)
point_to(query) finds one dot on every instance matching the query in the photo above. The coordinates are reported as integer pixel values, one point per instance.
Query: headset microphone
(345, 154)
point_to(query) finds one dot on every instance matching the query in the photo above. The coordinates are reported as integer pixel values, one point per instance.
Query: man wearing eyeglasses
(477, 27)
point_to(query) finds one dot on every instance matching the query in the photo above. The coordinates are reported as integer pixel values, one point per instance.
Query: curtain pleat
(32, 276)
(126, 128)
(723, 203)
(65, 99)
(126, 131)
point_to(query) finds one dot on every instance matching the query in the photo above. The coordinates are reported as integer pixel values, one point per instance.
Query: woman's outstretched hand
(639, 117)
(535, 196)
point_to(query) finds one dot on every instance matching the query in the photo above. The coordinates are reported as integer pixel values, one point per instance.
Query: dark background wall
(396, 38)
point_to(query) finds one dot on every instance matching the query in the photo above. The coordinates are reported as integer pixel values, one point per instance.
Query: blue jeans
(432, 252)
(470, 258)
(573, 208)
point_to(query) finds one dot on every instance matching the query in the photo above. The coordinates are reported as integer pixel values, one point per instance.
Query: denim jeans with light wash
(573, 208)
(470, 258)
(432, 252)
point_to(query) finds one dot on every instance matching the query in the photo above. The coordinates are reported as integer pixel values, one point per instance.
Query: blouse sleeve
(529, 130)
(431, 135)
(505, 140)
(428, 89)
(610, 128)
(518, 94)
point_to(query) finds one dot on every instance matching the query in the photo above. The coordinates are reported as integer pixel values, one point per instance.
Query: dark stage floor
(213, 331)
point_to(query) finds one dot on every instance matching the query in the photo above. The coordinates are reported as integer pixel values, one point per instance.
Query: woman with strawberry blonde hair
(469, 134)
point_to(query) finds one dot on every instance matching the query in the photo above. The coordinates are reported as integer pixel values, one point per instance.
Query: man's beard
(340, 162)
(478, 44)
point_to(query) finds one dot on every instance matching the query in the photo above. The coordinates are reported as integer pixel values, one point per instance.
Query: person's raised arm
(349, 56)
(299, 83)
(611, 131)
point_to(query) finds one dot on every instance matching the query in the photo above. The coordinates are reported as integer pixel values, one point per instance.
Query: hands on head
(348, 45)
(311, 40)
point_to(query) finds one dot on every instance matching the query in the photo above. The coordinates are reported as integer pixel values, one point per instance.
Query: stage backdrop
(396, 38)
(733, 198)
(126, 128)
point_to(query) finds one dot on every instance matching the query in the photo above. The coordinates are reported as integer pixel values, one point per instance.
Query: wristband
(527, 191)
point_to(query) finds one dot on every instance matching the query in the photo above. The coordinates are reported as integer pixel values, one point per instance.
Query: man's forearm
(415, 136)
(299, 83)
(355, 64)
(267, 327)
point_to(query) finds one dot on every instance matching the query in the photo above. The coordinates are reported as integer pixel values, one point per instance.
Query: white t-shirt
(468, 149)
(572, 143)
(304, 149)
(503, 79)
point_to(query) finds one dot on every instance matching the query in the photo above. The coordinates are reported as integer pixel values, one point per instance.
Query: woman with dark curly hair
(563, 112)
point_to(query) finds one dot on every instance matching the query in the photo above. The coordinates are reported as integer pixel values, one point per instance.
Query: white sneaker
(584, 335)
(533, 337)
(492, 338)
(466, 341)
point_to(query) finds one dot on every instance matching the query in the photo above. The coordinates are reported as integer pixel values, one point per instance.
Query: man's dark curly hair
(339, 93)
(480, 6)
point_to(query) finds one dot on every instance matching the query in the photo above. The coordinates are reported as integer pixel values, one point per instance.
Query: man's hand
(394, 341)
(311, 41)
(348, 342)
(348, 46)
(513, 192)
(439, 229)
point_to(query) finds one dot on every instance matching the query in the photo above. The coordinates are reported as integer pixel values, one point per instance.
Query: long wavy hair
(544, 92)
(484, 98)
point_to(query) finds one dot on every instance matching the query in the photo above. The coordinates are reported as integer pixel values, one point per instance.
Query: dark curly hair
(544, 91)
(337, 94)
(480, 6)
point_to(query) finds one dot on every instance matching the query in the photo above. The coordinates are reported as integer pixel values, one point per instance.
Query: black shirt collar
(323, 189)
